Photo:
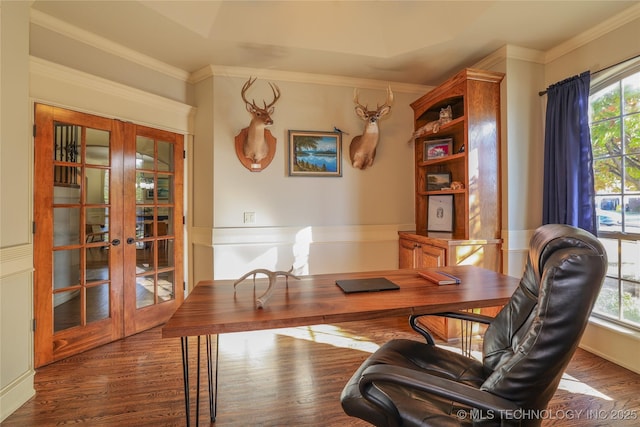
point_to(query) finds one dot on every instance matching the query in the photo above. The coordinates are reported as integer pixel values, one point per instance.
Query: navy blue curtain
(568, 193)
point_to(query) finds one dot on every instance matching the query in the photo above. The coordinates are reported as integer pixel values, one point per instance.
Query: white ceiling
(420, 42)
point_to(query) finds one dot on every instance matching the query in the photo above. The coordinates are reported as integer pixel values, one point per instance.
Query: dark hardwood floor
(284, 377)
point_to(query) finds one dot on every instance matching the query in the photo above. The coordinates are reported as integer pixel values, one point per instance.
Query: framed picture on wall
(440, 213)
(313, 153)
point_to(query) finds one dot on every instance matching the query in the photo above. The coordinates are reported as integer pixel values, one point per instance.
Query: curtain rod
(543, 92)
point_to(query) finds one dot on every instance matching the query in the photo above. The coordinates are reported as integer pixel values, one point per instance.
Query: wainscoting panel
(308, 249)
(16, 282)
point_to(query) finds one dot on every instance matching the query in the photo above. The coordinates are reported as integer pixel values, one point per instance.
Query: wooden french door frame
(124, 316)
(140, 319)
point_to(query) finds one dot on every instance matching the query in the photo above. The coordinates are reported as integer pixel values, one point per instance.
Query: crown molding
(611, 24)
(53, 24)
(320, 79)
(507, 51)
(176, 113)
(80, 78)
(510, 52)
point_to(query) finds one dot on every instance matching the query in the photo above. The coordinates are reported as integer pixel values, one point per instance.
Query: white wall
(602, 338)
(521, 151)
(316, 224)
(200, 165)
(16, 250)
(61, 43)
(527, 73)
(610, 48)
(53, 84)
(523, 159)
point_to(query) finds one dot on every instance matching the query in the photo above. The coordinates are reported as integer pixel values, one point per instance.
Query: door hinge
(33, 227)
(184, 221)
(184, 154)
(184, 286)
(34, 131)
(34, 325)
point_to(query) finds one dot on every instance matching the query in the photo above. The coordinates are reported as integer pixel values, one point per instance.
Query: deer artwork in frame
(255, 146)
(362, 150)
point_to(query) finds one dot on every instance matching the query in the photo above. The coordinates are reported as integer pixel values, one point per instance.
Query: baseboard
(16, 394)
(612, 342)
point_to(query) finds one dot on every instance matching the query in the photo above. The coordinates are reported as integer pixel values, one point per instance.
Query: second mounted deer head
(258, 145)
(362, 150)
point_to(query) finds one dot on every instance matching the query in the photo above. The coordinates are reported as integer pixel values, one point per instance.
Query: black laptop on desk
(370, 284)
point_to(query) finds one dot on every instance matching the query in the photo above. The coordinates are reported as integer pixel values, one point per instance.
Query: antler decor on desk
(272, 275)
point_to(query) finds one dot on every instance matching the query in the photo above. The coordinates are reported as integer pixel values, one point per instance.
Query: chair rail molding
(16, 260)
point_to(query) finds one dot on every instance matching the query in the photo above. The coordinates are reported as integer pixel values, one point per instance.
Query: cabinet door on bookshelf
(431, 256)
(406, 253)
(414, 254)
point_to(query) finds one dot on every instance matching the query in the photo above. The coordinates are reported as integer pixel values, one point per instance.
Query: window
(614, 115)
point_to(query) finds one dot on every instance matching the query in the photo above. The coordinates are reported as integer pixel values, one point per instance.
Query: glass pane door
(153, 224)
(108, 230)
(81, 275)
(77, 277)
(155, 280)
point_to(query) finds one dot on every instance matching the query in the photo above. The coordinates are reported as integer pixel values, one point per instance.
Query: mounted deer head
(255, 146)
(362, 150)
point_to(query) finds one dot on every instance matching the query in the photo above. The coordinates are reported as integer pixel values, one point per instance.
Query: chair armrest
(461, 315)
(432, 384)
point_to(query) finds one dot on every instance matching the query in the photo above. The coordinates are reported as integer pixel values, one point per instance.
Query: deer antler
(389, 100)
(272, 275)
(245, 87)
(274, 88)
(355, 99)
(387, 103)
(276, 95)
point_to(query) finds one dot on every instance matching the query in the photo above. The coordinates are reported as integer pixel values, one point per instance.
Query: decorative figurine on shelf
(255, 146)
(362, 150)
(457, 185)
(434, 126)
(272, 275)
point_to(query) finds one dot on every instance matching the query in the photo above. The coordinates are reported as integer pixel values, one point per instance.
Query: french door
(107, 230)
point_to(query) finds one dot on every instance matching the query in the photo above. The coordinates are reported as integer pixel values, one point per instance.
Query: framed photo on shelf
(438, 181)
(314, 153)
(440, 213)
(436, 148)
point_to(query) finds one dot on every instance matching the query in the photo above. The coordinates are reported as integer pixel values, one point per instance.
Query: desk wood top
(214, 308)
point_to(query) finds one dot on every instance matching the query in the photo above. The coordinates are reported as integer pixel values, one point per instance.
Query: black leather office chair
(526, 349)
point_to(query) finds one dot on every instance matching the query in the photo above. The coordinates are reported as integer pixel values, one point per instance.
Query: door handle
(115, 242)
(131, 241)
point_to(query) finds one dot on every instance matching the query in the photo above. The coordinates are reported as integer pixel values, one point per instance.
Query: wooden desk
(214, 308)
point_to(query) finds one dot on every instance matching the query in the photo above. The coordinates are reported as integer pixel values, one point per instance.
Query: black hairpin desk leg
(184, 341)
(211, 367)
(213, 389)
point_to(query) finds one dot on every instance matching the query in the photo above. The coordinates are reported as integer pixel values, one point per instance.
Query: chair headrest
(550, 238)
